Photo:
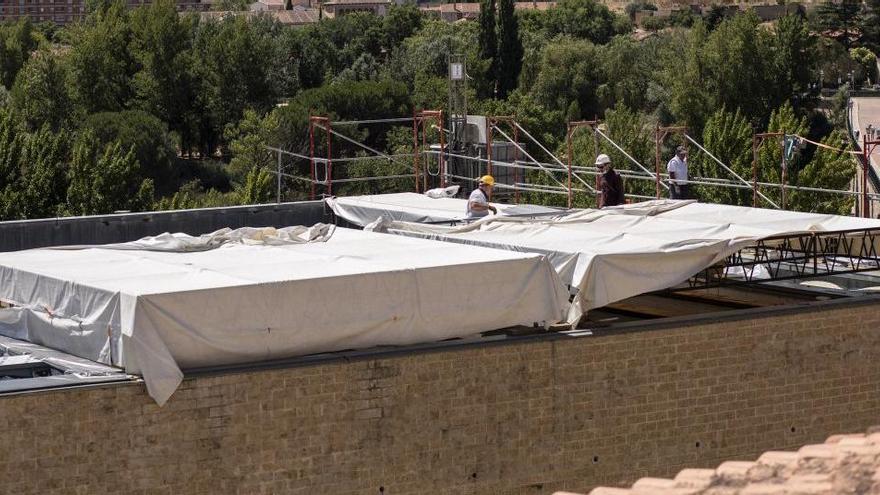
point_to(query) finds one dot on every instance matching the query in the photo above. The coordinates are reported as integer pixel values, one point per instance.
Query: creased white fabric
(412, 207)
(619, 252)
(181, 243)
(155, 312)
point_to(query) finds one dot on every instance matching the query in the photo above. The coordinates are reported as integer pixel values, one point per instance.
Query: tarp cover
(413, 207)
(619, 252)
(155, 312)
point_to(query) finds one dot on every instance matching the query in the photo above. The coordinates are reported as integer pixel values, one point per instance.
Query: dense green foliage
(143, 108)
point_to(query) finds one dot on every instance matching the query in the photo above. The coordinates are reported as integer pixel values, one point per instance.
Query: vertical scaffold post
(755, 171)
(784, 177)
(416, 150)
(866, 162)
(657, 139)
(329, 169)
(568, 144)
(515, 160)
(442, 156)
(278, 193)
(489, 138)
(312, 154)
(424, 175)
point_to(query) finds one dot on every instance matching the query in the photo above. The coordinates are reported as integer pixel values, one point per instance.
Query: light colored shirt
(479, 197)
(678, 167)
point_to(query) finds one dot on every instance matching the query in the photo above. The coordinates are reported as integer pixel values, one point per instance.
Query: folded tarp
(413, 207)
(155, 312)
(619, 252)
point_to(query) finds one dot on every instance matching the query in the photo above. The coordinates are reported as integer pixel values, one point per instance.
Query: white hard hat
(602, 159)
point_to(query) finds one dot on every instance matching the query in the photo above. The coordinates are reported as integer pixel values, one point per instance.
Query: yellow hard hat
(488, 180)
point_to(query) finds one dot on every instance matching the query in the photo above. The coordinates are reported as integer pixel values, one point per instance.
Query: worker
(478, 202)
(678, 174)
(610, 183)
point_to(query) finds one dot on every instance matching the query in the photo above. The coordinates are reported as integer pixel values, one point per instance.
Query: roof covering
(844, 464)
(413, 207)
(174, 302)
(611, 254)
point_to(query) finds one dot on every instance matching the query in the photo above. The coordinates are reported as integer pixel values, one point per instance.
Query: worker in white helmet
(610, 183)
(478, 202)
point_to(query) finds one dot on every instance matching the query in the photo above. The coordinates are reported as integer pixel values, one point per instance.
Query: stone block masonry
(527, 417)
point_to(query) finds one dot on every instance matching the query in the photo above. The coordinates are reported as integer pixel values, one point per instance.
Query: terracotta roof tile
(843, 465)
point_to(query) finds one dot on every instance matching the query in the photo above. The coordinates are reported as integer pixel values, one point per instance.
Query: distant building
(297, 16)
(333, 8)
(66, 11)
(451, 12)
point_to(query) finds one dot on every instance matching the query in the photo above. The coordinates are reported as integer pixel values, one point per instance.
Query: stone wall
(526, 417)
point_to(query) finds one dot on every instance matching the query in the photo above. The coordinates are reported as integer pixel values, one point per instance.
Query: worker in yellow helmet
(478, 202)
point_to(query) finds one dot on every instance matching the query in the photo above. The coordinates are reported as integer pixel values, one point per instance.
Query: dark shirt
(611, 189)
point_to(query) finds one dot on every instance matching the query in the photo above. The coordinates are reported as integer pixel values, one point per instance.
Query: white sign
(456, 71)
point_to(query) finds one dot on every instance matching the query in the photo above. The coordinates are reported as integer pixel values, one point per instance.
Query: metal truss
(796, 256)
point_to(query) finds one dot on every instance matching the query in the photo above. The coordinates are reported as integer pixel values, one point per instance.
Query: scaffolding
(322, 128)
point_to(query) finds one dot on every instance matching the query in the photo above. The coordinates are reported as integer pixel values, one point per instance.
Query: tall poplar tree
(510, 49)
(489, 43)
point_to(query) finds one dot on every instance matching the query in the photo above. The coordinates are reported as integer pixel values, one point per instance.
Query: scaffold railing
(567, 178)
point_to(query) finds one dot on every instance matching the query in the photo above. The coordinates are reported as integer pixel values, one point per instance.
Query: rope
(832, 148)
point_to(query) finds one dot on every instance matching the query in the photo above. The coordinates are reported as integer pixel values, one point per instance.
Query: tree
(401, 22)
(248, 140)
(16, 43)
(569, 72)
(585, 19)
(489, 45)
(829, 169)
(867, 60)
(741, 42)
(689, 103)
(257, 188)
(871, 24)
(42, 184)
(841, 16)
(728, 136)
(164, 83)
(100, 63)
(794, 56)
(40, 93)
(628, 67)
(510, 49)
(784, 120)
(237, 65)
(147, 136)
(103, 179)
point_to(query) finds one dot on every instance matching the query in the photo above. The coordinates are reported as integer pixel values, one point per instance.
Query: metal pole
(516, 170)
(312, 154)
(489, 139)
(865, 207)
(784, 176)
(755, 171)
(657, 160)
(416, 150)
(442, 152)
(278, 194)
(329, 159)
(423, 176)
(568, 142)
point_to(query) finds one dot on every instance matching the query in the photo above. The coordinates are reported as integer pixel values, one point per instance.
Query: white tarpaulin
(413, 207)
(155, 312)
(619, 252)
